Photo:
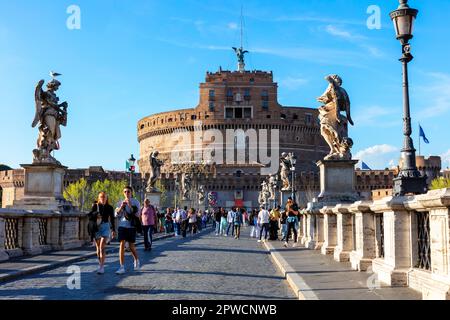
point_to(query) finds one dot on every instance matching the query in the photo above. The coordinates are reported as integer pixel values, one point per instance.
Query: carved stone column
(310, 241)
(394, 267)
(329, 230)
(365, 251)
(319, 235)
(30, 236)
(344, 227)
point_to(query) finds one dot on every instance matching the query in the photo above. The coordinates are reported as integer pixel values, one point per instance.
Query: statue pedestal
(44, 185)
(337, 181)
(154, 197)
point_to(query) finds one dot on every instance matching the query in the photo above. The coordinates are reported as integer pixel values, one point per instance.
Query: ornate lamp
(409, 179)
(403, 19)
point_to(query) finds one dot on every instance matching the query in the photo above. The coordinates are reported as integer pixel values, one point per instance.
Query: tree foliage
(83, 195)
(440, 183)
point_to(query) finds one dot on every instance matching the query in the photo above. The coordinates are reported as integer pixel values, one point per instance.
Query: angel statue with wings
(333, 125)
(50, 115)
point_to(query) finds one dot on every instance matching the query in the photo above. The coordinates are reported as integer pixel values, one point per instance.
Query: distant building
(12, 181)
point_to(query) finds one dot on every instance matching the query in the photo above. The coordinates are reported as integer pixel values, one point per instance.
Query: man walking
(127, 211)
(263, 222)
(149, 218)
(230, 220)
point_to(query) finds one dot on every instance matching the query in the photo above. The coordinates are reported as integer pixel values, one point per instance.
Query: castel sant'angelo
(244, 103)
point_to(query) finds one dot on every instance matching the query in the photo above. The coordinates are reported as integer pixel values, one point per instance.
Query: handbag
(98, 216)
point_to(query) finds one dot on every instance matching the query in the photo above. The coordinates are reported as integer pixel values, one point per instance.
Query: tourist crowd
(132, 218)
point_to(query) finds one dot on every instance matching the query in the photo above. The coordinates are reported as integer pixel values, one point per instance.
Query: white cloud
(337, 32)
(233, 26)
(377, 116)
(378, 156)
(321, 18)
(292, 83)
(435, 95)
(446, 159)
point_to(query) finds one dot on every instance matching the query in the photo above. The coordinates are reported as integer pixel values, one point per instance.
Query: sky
(130, 59)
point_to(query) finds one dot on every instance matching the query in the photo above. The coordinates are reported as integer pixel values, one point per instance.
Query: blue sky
(134, 58)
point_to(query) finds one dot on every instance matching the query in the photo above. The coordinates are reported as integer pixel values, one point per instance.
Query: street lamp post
(293, 163)
(409, 179)
(131, 168)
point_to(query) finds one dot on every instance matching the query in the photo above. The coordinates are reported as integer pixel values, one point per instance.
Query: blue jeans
(265, 227)
(283, 231)
(148, 235)
(217, 227)
(230, 225)
(176, 226)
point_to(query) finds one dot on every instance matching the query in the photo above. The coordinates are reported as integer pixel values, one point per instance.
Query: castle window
(212, 95)
(265, 95)
(211, 106)
(229, 113)
(265, 105)
(142, 126)
(247, 113)
(308, 118)
(295, 117)
(269, 116)
(283, 116)
(247, 95)
(252, 80)
(238, 113)
(193, 117)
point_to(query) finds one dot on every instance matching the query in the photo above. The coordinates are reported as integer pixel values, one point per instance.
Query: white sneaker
(285, 244)
(225, 235)
(294, 245)
(137, 265)
(217, 234)
(121, 270)
(101, 270)
(259, 241)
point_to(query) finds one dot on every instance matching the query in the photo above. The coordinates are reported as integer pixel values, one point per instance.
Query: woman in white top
(192, 216)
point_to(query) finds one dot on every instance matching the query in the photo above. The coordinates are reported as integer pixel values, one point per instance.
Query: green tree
(78, 194)
(440, 183)
(83, 195)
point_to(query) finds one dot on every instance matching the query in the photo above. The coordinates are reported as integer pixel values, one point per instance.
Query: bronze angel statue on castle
(334, 125)
(50, 115)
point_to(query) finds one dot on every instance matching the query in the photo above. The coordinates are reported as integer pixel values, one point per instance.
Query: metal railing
(423, 241)
(11, 233)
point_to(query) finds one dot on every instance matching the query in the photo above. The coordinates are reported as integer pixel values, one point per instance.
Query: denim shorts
(104, 231)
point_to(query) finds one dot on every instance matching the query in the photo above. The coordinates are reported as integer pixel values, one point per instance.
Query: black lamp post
(131, 168)
(409, 179)
(293, 163)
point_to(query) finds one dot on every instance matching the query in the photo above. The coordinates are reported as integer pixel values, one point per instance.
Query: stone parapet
(404, 240)
(31, 232)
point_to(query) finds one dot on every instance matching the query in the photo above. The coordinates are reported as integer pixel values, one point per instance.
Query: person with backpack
(283, 225)
(230, 221)
(127, 211)
(292, 220)
(102, 226)
(149, 218)
(217, 218)
(238, 217)
(168, 222)
(223, 221)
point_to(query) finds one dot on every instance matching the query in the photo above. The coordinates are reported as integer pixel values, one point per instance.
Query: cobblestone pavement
(199, 267)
